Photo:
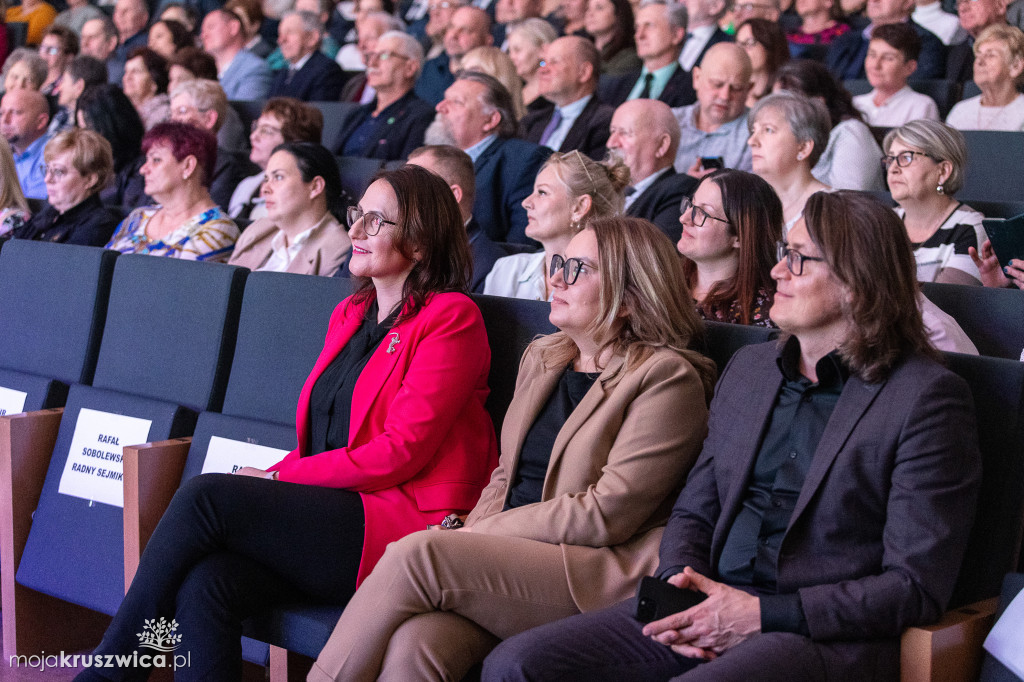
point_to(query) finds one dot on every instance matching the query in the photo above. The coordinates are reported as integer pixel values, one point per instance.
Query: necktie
(556, 119)
(291, 74)
(645, 93)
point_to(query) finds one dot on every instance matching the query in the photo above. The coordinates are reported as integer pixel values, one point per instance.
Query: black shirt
(794, 428)
(330, 401)
(528, 482)
(88, 223)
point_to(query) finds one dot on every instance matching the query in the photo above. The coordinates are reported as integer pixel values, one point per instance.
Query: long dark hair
(111, 114)
(754, 213)
(771, 37)
(624, 33)
(868, 251)
(428, 221)
(813, 79)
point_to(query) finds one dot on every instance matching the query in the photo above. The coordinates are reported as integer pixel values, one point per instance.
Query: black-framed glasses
(372, 221)
(698, 216)
(903, 159)
(570, 268)
(794, 259)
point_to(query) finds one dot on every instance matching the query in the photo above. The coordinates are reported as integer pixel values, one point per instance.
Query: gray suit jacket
(247, 78)
(879, 529)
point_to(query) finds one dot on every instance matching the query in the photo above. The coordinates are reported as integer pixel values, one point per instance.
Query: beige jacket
(615, 470)
(324, 252)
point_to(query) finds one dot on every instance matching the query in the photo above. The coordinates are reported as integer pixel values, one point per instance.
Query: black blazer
(434, 79)
(678, 91)
(396, 131)
(505, 172)
(485, 252)
(719, 36)
(319, 80)
(89, 224)
(845, 56)
(960, 61)
(589, 132)
(231, 168)
(659, 203)
(878, 533)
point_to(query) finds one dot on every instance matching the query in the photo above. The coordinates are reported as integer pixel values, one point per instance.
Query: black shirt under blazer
(678, 91)
(398, 129)
(89, 224)
(659, 203)
(319, 80)
(589, 132)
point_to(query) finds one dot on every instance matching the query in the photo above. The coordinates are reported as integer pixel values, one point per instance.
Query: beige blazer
(616, 468)
(324, 252)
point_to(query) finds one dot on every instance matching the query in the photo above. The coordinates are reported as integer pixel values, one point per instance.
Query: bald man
(714, 130)
(24, 117)
(576, 117)
(645, 136)
(470, 27)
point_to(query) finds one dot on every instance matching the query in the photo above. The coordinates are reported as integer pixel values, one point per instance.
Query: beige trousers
(438, 601)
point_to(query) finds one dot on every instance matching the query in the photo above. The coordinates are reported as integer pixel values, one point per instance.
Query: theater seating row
(203, 363)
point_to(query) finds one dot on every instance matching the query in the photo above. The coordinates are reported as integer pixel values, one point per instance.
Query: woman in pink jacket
(392, 436)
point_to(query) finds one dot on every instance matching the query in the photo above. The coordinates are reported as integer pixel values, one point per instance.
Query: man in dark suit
(845, 56)
(660, 32)
(456, 168)
(393, 124)
(832, 502)
(477, 114)
(703, 16)
(470, 27)
(645, 136)
(310, 76)
(975, 17)
(576, 117)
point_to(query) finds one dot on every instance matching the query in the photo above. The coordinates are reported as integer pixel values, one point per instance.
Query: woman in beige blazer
(607, 418)
(300, 233)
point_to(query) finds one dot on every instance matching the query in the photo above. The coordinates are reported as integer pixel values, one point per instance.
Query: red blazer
(421, 444)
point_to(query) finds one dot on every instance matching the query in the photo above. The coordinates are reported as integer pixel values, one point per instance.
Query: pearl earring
(940, 189)
(800, 157)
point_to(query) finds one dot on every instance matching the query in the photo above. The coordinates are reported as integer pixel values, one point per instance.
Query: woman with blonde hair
(525, 39)
(607, 418)
(569, 191)
(998, 68)
(13, 207)
(492, 61)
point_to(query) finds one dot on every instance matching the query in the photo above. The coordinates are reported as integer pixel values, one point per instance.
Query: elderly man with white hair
(645, 136)
(310, 76)
(393, 124)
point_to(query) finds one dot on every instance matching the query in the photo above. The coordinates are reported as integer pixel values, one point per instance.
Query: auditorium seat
(281, 332)
(51, 320)
(991, 318)
(993, 167)
(165, 355)
(335, 114)
(356, 173)
(248, 111)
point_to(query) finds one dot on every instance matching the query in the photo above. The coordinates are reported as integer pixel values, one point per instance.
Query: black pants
(227, 548)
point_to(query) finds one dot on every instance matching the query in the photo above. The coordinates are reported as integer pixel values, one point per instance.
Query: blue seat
(990, 317)
(41, 355)
(335, 114)
(356, 173)
(165, 355)
(993, 166)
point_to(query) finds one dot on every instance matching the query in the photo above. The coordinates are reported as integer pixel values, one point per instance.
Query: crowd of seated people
(639, 166)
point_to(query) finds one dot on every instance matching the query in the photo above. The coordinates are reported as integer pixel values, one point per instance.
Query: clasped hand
(727, 617)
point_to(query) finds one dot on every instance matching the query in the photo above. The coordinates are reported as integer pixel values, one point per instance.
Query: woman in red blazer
(392, 436)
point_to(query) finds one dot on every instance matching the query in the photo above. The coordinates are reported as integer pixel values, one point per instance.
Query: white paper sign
(1004, 640)
(11, 401)
(93, 470)
(225, 456)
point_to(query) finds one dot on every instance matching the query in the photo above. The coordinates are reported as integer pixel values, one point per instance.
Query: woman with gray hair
(788, 133)
(925, 163)
(24, 70)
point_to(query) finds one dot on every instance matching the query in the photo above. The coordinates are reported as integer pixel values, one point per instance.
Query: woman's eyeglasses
(570, 268)
(698, 216)
(903, 159)
(372, 221)
(794, 259)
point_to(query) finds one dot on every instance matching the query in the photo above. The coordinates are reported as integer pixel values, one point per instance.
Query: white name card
(1004, 640)
(11, 401)
(93, 470)
(226, 456)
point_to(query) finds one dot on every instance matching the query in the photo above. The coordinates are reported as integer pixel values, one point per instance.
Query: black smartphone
(657, 599)
(712, 162)
(1007, 237)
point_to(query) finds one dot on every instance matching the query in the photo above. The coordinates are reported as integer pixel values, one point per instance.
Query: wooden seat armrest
(152, 474)
(949, 650)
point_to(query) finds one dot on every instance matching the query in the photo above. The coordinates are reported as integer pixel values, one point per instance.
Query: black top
(795, 426)
(330, 402)
(528, 482)
(88, 223)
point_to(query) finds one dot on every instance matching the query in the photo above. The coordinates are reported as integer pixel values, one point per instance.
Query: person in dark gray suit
(832, 502)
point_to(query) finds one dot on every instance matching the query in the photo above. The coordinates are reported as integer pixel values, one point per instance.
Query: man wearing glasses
(832, 501)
